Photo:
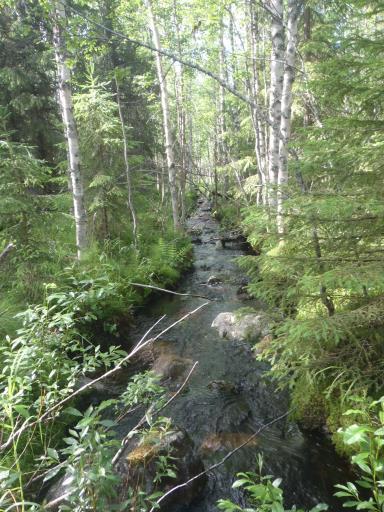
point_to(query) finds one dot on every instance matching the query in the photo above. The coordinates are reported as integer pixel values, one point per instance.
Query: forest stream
(229, 396)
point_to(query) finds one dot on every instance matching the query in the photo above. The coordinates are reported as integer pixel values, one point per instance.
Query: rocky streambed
(228, 397)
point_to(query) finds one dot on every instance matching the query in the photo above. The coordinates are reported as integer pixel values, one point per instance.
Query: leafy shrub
(367, 439)
(264, 493)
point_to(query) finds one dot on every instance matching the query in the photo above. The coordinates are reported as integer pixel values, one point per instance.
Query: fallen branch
(28, 423)
(170, 291)
(220, 463)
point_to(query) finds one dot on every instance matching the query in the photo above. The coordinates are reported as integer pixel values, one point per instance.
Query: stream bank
(229, 396)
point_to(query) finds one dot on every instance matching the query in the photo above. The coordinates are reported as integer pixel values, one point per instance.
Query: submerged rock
(223, 385)
(139, 467)
(242, 327)
(168, 365)
(58, 489)
(225, 441)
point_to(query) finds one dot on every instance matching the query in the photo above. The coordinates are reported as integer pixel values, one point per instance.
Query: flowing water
(228, 396)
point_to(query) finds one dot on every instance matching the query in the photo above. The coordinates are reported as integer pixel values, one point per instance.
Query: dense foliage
(113, 114)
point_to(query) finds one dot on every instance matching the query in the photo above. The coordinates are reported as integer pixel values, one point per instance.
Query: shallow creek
(228, 396)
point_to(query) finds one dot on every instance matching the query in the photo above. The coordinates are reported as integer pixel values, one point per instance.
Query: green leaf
(53, 453)
(51, 473)
(348, 504)
(365, 484)
(22, 410)
(277, 482)
(355, 434)
(107, 423)
(73, 411)
(240, 483)
(366, 505)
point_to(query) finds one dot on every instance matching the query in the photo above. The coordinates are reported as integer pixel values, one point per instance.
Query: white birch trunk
(169, 142)
(294, 10)
(66, 106)
(276, 88)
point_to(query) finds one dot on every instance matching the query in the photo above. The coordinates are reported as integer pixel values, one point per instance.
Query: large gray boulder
(239, 326)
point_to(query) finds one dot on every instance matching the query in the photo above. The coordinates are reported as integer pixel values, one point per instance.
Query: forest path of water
(228, 397)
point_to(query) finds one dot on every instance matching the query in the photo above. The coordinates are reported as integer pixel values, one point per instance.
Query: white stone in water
(242, 327)
(213, 280)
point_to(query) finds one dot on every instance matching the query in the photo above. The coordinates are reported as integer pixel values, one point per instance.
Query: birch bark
(276, 88)
(168, 136)
(66, 106)
(294, 11)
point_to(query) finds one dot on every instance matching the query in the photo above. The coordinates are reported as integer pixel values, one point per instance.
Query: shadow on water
(228, 397)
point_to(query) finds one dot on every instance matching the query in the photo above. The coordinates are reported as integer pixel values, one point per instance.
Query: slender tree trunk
(222, 127)
(260, 142)
(294, 11)
(66, 106)
(276, 89)
(126, 163)
(169, 142)
(181, 119)
(234, 67)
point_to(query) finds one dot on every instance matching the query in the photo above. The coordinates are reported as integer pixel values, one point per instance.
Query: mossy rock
(310, 410)
(138, 467)
(337, 419)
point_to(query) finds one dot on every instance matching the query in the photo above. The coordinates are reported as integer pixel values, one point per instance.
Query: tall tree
(72, 140)
(276, 89)
(259, 128)
(294, 11)
(165, 107)
(126, 162)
